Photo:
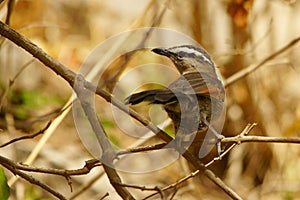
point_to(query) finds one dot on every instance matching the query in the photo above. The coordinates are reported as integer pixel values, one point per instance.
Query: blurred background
(236, 33)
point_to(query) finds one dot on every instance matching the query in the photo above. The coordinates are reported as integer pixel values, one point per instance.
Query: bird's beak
(162, 51)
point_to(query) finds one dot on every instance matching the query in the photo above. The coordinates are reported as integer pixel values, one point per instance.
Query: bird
(194, 99)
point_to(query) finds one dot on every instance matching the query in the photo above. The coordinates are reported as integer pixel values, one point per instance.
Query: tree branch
(242, 73)
(89, 165)
(108, 153)
(30, 136)
(69, 76)
(240, 139)
(8, 164)
(174, 185)
(88, 185)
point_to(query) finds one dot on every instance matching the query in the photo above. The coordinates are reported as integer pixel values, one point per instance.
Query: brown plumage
(192, 100)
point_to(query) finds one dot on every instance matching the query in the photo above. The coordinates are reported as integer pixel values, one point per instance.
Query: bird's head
(188, 58)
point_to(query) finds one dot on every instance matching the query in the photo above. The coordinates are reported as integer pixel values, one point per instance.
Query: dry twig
(174, 185)
(8, 164)
(88, 185)
(12, 81)
(237, 76)
(108, 154)
(30, 136)
(240, 139)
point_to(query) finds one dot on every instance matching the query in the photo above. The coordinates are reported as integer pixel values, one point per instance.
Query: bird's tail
(151, 96)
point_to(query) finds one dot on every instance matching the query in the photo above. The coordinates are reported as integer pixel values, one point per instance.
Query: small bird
(194, 99)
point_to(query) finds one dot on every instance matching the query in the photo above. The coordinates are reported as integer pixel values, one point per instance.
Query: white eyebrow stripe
(193, 51)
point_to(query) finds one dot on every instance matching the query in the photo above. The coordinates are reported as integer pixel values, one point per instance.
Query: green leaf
(4, 188)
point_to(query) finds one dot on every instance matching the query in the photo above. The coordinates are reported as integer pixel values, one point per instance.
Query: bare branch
(246, 131)
(175, 185)
(10, 166)
(143, 188)
(104, 196)
(69, 76)
(142, 149)
(12, 81)
(88, 185)
(235, 77)
(17, 168)
(240, 139)
(10, 6)
(89, 165)
(30, 136)
(108, 154)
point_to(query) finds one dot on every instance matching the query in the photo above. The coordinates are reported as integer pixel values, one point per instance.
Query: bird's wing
(198, 83)
(162, 96)
(188, 84)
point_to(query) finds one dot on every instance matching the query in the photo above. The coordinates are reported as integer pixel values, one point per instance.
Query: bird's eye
(181, 54)
(179, 58)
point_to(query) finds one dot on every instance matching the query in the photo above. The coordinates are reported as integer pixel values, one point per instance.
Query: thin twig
(142, 149)
(243, 137)
(12, 81)
(210, 175)
(173, 194)
(246, 131)
(127, 57)
(89, 165)
(240, 139)
(10, 6)
(244, 72)
(32, 180)
(174, 185)
(104, 196)
(142, 188)
(30, 136)
(88, 185)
